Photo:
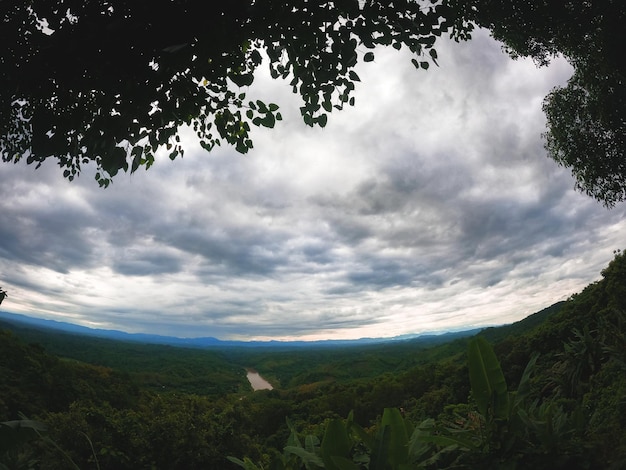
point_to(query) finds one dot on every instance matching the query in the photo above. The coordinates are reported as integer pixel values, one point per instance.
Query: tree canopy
(112, 81)
(587, 117)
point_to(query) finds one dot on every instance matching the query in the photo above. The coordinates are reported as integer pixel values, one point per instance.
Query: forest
(108, 84)
(546, 392)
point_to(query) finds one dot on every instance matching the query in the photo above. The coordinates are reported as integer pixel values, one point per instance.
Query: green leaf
(241, 80)
(115, 161)
(380, 449)
(268, 121)
(524, 384)
(449, 441)
(368, 57)
(489, 387)
(256, 56)
(14, 433)
(398, 442)
(353, 76)
(136, 153)
(322, 120)
(361, 434)
(262, 106)
(311, 443)
(433, 56)
(293, 439)
(246, 463)
(336, 443)
(308, 458)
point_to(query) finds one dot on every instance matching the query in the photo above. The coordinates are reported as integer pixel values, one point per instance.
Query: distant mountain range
(13, 320)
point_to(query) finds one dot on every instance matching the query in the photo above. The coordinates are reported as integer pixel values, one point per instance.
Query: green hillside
(114, 405)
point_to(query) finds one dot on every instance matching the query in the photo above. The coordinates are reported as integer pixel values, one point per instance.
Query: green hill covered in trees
(550, 393)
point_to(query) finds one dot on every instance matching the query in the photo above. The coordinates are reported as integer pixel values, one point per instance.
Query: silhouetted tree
(587, 117)
(111, 81)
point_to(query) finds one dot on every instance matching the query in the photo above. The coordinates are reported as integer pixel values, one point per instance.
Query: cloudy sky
(429, 206)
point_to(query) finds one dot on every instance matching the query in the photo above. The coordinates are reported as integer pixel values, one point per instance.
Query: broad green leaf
(524, 383)
(14, 433)
(336, 442)
(308, 458)
(293, 439)
(398, 450)
(246, 463)
(447, 441)
(380, 450)
(361, 434)
(137, 153)
(268, 121)
(433, 54)
(311, 442)
(241, 80)
(487, 380)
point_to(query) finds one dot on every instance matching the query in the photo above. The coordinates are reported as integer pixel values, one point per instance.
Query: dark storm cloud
(233, 251)
(134, 264)
(387, 275)
(40, 230)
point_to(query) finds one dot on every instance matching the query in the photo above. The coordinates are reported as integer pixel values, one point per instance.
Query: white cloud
(428, 206)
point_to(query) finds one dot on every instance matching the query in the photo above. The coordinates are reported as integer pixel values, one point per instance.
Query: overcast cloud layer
(429, 206)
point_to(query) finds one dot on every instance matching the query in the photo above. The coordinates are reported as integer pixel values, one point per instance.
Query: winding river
(257, 382)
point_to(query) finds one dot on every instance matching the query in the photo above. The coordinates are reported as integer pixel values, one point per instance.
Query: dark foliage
(587, 117)
(110, 82)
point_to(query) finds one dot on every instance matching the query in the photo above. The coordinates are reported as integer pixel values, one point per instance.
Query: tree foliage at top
(587, 117)
(111, 81)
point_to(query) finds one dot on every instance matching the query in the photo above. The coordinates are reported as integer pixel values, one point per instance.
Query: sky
(429, 206)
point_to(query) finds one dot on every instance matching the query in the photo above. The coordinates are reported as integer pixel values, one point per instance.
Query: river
(257, 382)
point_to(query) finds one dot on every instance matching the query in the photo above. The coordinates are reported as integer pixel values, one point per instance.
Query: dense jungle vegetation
(550, 393)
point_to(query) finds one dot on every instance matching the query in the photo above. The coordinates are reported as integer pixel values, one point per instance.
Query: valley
(115, 404)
